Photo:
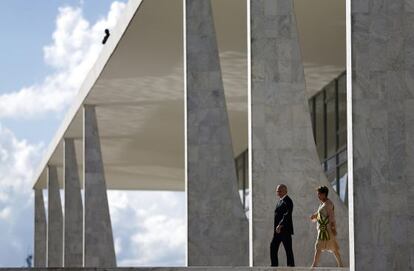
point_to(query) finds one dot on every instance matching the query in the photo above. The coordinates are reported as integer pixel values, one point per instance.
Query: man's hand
(278, 228)
(313, 216)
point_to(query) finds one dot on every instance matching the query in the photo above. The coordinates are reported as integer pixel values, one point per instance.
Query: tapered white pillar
(55, 221)
(73, 233)
(283, 148)
(40, 230)
(382, 37)
(217, 226)
(99, 248)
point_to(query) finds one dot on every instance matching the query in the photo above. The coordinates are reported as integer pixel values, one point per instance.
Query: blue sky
(27, 28)
(47, 47)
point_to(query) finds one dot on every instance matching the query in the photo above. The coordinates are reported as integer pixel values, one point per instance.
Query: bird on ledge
(106, 36)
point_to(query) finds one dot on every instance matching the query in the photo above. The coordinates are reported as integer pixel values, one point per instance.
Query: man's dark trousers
(286, 239)
(283, 218)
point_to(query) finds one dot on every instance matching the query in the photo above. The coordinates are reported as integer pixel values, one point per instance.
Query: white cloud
(18, 157)
(16, 198)
(5, 213)
(149, 227)
(75, 48)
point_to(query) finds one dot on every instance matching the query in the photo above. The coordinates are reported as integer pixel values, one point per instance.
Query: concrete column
(283, 149)
(99, 248)
(217, 225)
(73, 233)
(55, 221)
(383, 133)
(40, 230)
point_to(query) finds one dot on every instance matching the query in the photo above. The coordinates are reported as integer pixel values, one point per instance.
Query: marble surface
(217, 226)
(40, 230)
(73, 230)
(283, 146)
(55, 221)
(383, 133)
(99, 250)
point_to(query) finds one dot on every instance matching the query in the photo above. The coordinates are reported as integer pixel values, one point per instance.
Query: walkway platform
(212, 268)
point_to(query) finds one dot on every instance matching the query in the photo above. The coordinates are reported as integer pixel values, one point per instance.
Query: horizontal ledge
(198, 268)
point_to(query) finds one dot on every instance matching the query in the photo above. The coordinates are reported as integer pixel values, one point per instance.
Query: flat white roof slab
(137, 85)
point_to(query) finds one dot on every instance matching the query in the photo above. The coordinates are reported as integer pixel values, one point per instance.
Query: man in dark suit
(283, 227)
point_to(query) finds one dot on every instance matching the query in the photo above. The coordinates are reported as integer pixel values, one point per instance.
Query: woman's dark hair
(323, 190)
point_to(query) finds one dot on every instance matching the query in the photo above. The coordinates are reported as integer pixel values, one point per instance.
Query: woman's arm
(331, 216)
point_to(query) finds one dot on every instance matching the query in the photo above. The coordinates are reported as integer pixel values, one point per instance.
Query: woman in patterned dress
(325, 218)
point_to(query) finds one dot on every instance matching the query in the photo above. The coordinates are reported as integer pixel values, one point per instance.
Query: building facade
(246, 95)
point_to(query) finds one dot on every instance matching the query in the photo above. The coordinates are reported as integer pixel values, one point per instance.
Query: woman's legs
(316, 258)
(338, 258)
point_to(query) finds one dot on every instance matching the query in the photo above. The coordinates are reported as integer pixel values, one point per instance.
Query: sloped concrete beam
(40, 230)
(73, 233)
(283, 147)
(217, 225)
(55, 221)
(99, 250)
(383, 133)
